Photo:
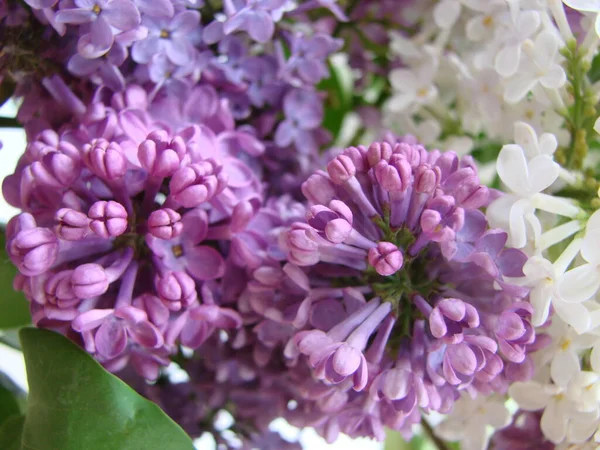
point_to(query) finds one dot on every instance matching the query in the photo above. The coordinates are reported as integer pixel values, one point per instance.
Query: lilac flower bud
(395, 175)
(386, 258)
(72, 225)
(303, 251)
(341, 169)
(176, 290)
(449, 317)
(165, 224)
(105, 159)
(427, 179)
(379, 151)
(197, 183)
(358, 155)
(89, 280)
(55, 169)
(471, 194)
(514, 331)
(109, 219)
(31, 248)
(160, 156)
(334, 223)
(319, 188)
(242, 213)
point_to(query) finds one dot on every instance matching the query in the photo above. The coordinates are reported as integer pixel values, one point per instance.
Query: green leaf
(594, 73)
(8, 405)
(10, 433)
(14, 309)
(75, 404)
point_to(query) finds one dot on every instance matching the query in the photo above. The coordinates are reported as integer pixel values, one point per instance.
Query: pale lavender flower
(103, 16)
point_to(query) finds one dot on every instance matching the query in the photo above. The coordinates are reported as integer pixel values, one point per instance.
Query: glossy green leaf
(14, 309)
(10, 433)
(75, 404)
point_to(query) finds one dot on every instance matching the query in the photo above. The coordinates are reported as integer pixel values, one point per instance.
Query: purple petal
(111, 339)
(98, 41)
(75, 16)
(143, 51)
(184, 22)
(205, 263)
(146, 334)
(156, 8)
(122, 14)
(179, 51)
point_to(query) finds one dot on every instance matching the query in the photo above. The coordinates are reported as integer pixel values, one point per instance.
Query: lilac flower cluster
(396, 294)
(123, 218)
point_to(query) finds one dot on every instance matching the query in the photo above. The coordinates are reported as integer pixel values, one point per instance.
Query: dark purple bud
(197, 183)
(386, 258)
(109, 218)
(161, 156)
(89, 280)
(72, 225)
(105, 159)
(341, 169)
(165, 223)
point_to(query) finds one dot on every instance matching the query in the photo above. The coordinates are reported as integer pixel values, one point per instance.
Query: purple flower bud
(471, 194)
(242, 213)
(55, 169)
(386, 258)
(379, 151)
(109, 219)
(341, 169)
(160, 156)
(197, 183)
(427, 179)
(514, 331)
(105, 159)
(303, 251)
(176, 290)
(165, 224)
(449, 317)
(72, 225)
(395, 175)
(89, 280)
(318, 188)
(32, 249)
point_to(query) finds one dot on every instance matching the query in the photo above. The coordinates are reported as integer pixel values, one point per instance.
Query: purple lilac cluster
(394, 295)
(123, 219)
(248, 53)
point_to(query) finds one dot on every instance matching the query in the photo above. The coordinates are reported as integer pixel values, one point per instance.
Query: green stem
(439, 443)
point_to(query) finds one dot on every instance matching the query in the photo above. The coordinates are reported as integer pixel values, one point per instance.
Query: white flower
(582, 282)
(541, 66)
(526, 137)
(515, 212)
(414, 86)
(561, 415)
(446, 13)
(565, 361)
(586, 6)
(597, 124)
(469, 418)
(483, 24)
(518, 27)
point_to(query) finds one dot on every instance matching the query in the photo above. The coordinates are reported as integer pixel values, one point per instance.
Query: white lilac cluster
(483, 73)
